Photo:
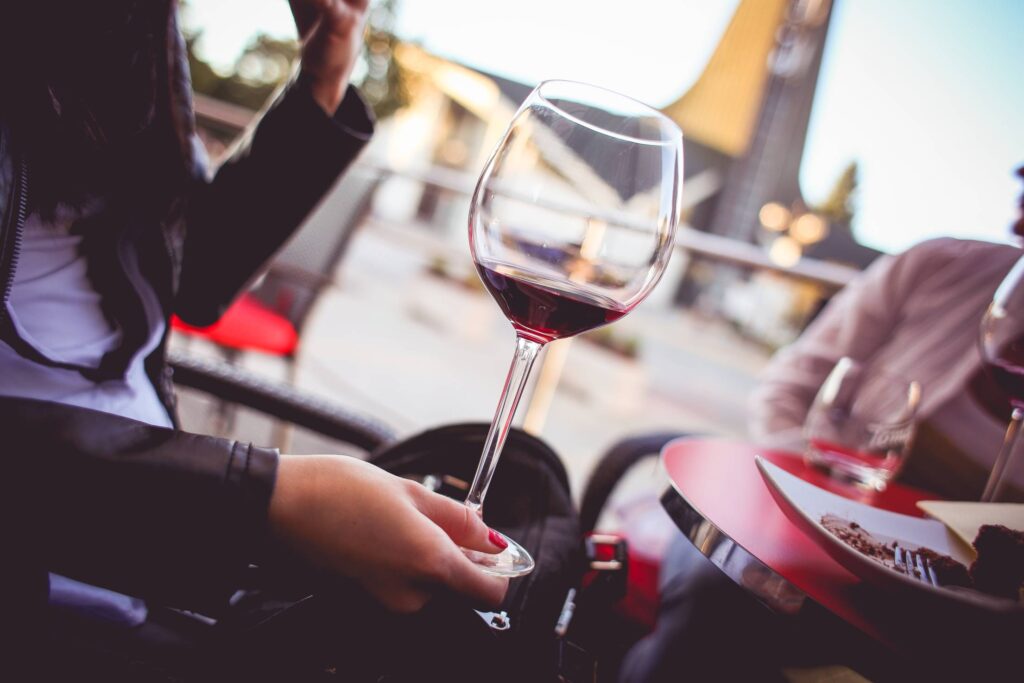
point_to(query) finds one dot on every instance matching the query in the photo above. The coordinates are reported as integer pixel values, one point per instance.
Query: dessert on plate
(998, 569)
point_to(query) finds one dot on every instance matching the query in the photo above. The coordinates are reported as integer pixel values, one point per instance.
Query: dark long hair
(87, 92)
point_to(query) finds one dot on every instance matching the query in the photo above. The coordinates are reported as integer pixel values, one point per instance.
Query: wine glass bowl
(571, 226)
(1001, 343)
(582, 198)
(860, 426)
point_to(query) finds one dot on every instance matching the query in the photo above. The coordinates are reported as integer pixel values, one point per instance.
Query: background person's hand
(395, 537)
(331, 32)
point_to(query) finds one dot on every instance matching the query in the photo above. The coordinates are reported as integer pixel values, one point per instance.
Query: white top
(54, 307)
(915, 314)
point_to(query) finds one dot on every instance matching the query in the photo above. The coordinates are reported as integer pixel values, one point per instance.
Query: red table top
(719, 479)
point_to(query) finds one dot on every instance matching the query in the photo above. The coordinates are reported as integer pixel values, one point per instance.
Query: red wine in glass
(543, 309)
(872, 459)
(1006, 365)
(859, 465)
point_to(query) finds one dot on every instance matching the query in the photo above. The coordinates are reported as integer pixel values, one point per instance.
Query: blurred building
(745, 120)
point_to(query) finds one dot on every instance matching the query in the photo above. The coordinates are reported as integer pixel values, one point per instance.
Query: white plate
(805, 504)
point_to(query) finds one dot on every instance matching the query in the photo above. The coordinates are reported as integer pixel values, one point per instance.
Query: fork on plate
(915, 566)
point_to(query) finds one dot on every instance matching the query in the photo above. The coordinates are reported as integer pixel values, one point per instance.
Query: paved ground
(418, 351)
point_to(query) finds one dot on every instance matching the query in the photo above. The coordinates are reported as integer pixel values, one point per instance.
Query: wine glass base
(510, 562)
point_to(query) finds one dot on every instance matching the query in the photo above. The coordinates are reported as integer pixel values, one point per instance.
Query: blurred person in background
(917, 314)
(110, 223)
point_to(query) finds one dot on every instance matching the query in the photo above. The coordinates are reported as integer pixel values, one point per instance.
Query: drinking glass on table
(570, 227)
(1002, 350)
(860, 426)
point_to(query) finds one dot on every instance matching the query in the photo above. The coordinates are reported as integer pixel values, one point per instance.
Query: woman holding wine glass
(109, 224)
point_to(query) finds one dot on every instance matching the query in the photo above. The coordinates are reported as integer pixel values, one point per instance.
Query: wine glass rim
(646, 108)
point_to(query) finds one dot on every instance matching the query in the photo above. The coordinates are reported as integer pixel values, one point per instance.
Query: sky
(926, 95)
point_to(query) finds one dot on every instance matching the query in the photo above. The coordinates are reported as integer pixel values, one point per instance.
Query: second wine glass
(570, 227)
(1002, 350)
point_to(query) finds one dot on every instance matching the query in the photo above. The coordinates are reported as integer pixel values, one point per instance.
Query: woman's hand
(331, 32)
(399, 540)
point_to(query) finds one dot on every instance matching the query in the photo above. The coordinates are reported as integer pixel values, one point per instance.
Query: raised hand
(399, 540)
(332, 34)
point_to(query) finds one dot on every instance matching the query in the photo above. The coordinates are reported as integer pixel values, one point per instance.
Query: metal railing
(831, 276)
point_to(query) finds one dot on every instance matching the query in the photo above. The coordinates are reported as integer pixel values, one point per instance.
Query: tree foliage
(838, 207)
(266, 62)
(385, 84)
(261, 67)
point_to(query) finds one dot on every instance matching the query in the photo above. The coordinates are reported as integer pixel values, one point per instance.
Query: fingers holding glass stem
(399, 540)
(513, 560)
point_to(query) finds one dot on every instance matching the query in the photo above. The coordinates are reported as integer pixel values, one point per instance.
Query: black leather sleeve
(236, 221)
(160, 514)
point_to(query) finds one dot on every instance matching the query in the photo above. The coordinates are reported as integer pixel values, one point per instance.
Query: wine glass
(1002, 350)
(570, 227)
(861, 423)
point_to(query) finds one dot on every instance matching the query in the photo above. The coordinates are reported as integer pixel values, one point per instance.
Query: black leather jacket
(157, 513)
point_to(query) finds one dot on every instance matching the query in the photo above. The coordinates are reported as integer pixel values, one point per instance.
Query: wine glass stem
(518, 373)
(994, 483)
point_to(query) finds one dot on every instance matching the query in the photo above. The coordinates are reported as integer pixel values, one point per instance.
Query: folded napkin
(965, 518)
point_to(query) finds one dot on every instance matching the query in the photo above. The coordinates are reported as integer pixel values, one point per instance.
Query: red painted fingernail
(495, 538)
